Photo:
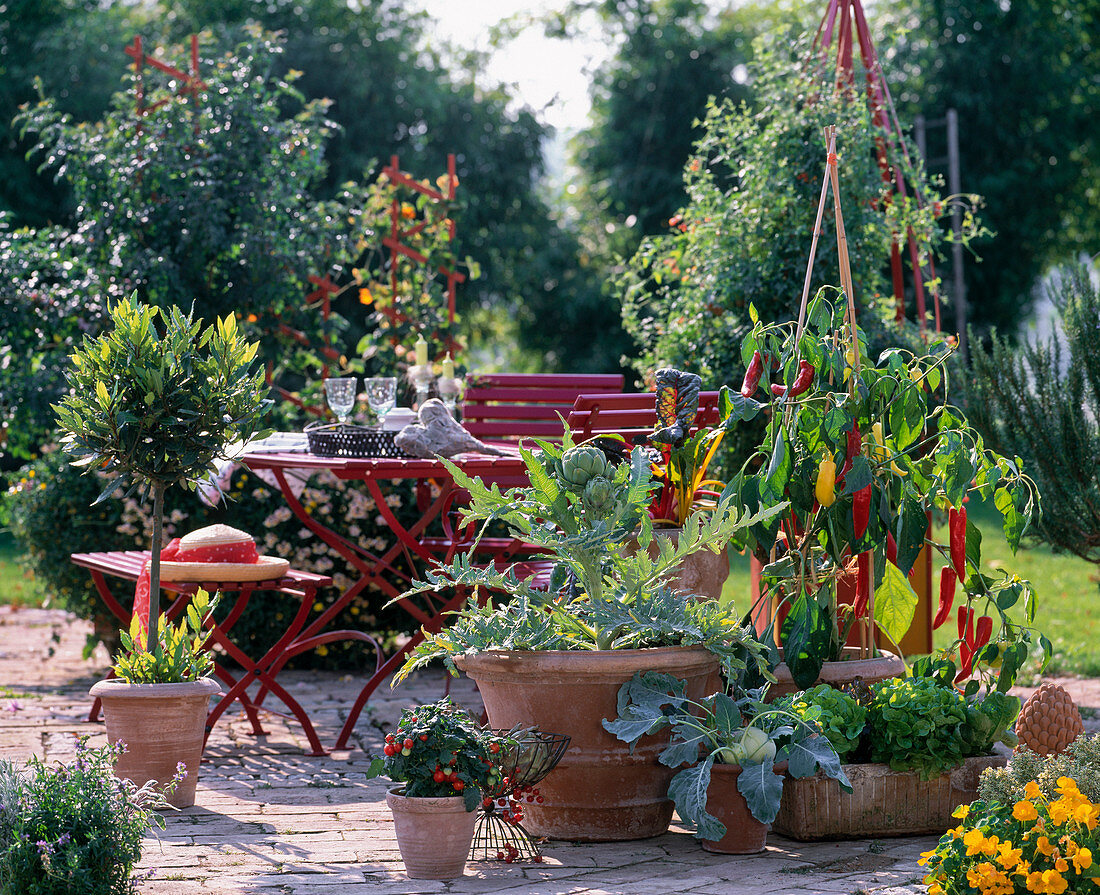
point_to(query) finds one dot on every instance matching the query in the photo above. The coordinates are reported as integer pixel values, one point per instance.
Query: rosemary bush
(1081, 761)
(1042, 402)
(72, 828)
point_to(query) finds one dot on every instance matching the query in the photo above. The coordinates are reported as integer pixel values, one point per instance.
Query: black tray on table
(343, 440)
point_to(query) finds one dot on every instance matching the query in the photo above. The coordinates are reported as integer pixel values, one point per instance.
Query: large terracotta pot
(745, 835)
(433, 834)
(839, 674)
(161, 725)
(599, 791)
(703, 573)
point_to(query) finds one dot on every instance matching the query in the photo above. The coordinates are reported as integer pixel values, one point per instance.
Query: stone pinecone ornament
(1049, 721)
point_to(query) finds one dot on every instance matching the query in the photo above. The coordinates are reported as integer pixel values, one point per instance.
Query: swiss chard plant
(609, 588)
(725, 730)
(863, 452)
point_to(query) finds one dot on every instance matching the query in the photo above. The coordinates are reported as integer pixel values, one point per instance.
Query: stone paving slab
(270, 819)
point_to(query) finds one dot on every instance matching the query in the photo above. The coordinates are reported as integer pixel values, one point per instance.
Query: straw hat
(201, 551)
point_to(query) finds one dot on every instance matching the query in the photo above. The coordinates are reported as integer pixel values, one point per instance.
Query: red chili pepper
(956, 526)
(982, 632)
(801, 382)
(863, 585)
(752, 375)
(861, 510)
(891, 549)
(855, 444)
(966, 646)
(948, 580)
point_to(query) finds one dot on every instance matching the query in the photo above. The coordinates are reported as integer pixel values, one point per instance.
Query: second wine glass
(381, 395)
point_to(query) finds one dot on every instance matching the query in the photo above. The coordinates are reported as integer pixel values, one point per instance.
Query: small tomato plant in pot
(864, 453)
(720, 729)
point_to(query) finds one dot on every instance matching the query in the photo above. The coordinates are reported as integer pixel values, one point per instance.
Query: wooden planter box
(883, 802)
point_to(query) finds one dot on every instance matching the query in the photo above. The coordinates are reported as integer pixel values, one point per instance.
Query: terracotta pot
(599, 791)
(161, 725)
(703, 573)
(745, 835)
(839, 674)
(433, 834)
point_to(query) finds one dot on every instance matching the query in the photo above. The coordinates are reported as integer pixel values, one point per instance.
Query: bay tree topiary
(156, 410)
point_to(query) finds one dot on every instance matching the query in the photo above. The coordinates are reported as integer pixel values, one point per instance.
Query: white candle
(448, 367)
(421, 351)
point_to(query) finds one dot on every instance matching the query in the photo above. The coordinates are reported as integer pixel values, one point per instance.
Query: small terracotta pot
(745, 835)
(433, 834)
(600, 791)
(161, 725)
(839, 674)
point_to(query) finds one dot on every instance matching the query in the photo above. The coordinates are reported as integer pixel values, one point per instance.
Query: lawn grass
(1067, 596)
(16, 587)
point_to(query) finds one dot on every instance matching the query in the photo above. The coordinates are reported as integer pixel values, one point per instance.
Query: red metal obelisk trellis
(844, 25)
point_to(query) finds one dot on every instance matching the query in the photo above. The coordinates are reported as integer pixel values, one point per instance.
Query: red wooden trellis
(394, 241)
(190, 83)
(845, 23)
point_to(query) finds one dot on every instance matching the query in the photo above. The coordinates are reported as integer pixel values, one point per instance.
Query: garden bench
(127, 565)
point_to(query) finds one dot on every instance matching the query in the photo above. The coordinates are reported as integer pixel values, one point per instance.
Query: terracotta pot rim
(119, 689)
(424, 804)
(610, 661)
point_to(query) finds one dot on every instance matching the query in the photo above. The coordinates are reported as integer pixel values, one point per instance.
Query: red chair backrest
(519, 406)
(628, 414)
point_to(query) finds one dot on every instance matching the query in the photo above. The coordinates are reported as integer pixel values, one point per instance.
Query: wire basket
(342, 440)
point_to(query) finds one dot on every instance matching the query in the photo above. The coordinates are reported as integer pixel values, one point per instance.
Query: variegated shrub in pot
(555, 657)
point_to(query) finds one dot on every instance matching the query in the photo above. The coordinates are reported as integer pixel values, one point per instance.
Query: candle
(448, 367)
(421, 351)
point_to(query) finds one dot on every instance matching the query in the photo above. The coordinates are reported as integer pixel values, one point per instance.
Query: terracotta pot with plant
(153, 411)
(555, 658)
(445, 760)
(731, 753)
(863, 452)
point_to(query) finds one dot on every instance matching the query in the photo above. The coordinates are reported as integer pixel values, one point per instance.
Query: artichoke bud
(599, 496)
(581, 463)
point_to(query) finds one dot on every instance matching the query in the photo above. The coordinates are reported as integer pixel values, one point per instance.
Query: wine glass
(340, 392)
(382, 395)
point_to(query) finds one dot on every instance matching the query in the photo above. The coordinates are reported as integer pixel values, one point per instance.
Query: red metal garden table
(415, 543)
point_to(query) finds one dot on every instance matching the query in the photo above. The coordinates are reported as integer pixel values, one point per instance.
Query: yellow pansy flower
(1082, 859)
(1007, 856)
(1031, 790)
(961, 812)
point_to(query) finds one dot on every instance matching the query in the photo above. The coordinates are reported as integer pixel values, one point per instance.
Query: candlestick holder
(449, 390)
(421, 377)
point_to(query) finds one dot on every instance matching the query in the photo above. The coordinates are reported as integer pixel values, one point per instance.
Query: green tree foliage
(207, 203)
(1041, 402)
(1022, 75)
(75, 48)
(672, 57)
(753, 186)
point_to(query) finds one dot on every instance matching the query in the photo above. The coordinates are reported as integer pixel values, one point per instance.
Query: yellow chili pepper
(825, 489)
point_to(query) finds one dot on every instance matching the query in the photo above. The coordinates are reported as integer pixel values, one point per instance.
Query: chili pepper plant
(864, 452)
(440, 750)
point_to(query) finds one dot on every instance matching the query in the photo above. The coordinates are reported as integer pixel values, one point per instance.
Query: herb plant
(179, 652)
(440, 750)
(73, 827)
(609, 585)
(715, 730)
(1081, 761)
(910, 723)
(839, 716)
